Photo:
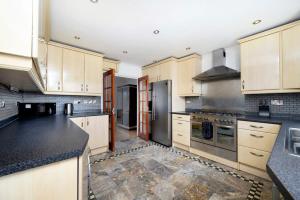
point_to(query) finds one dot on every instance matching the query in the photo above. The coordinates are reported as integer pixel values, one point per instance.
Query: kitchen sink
(292, 143)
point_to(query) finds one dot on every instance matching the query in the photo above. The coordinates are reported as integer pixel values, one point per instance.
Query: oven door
(198, 135)
(225, 136)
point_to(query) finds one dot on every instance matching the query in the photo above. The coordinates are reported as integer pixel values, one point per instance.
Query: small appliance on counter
(263, 109)
(36, 109)
(69, 108)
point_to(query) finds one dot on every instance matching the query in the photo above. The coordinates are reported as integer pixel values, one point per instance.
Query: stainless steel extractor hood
(219, 70)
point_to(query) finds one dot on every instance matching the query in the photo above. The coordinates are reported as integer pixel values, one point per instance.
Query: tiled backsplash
(11, 99)
(291, 103)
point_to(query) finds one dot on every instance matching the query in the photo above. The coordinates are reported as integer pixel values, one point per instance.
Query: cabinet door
(97, 128)
(165, 71)
(54, 69)
(79, 121)
(152, 73)
(16, 27)
(93, 74)
(73, 71)
(291, 58)
(42, 59)
(185, 74)
(260, 66)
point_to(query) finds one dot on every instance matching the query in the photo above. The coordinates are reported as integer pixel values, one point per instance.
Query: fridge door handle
(153, 106)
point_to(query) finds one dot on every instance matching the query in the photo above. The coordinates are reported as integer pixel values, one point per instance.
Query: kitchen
(217, 107)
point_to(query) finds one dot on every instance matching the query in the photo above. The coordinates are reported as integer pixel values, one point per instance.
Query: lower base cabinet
(181, 130)
(255, 143)
(97, 128)
(54, 181)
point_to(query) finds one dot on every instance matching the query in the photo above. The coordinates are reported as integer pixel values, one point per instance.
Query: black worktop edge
(279, 185)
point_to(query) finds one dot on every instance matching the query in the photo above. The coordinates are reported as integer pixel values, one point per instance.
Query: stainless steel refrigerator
(161, 119)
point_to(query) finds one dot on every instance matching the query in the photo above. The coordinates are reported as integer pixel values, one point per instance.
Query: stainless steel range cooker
(215, 133)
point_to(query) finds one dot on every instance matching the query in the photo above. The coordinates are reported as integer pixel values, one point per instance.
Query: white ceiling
(111, 26)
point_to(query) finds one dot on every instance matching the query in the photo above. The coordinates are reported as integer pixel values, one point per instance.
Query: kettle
(69, 107)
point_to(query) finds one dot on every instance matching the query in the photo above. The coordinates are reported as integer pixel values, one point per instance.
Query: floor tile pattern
(152, 171)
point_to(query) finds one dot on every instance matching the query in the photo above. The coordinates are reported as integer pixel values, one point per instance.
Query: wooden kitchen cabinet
(54, 68)
(58, 180)
(291, 58)
(153, 73)
(181, 131)
(97, 128)
(93, 74)
(73, 71)
(270, 60)
(255, 144)
(260, 63)
(16, 18)
(188, 67)
(109, 64)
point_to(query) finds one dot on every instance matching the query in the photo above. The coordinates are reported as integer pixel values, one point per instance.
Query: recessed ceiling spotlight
(256, 21)
(77, 37)
(188, 48)
(156, 32)
(94, 1)
(125, 52)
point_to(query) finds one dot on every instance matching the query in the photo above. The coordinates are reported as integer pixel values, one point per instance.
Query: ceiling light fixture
(94, 1)
(77, 37)
(188, 48)
(125, 52)
(256, 21)
(156, 32)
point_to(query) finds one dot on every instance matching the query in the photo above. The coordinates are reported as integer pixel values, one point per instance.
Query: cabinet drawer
(181, 117)
(181, 126)
(257, 126)
(257, 140)
(253, 157)
(181, 138)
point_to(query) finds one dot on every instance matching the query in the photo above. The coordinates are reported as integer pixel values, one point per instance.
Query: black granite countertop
(32, 142)
(283, 168)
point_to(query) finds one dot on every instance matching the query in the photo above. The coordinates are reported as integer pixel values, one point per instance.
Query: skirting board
(99, 150)
(254, 171)
(181, 146)
(215, 158)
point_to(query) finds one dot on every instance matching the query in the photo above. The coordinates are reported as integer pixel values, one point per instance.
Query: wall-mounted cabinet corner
(270, 61)
(109, 64)
(19, 73)
(187, 68)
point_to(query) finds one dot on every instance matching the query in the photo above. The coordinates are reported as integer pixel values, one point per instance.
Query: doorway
(126, 104)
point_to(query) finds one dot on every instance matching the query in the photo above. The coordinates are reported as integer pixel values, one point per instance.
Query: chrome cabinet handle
(256, 136)
(58, 85)
(87, 123)
(179, 123)
(81, 87)
(179, 135)
(243, 84)
(258, 155)
(81, 124)
(253, 126)
(87, 87)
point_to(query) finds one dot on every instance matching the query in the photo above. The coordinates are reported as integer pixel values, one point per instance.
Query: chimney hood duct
(219, 70)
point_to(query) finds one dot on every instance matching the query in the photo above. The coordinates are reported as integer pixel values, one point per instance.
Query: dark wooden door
(109, 104)
(143, 114)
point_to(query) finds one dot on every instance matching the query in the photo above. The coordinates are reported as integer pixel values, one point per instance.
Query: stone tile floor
(153, 172)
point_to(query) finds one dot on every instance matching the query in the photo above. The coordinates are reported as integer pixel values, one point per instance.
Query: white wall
(232, 58)
(129, 70)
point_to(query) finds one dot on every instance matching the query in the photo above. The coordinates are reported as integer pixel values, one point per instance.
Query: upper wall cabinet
(291, 58)
(270, 61)
(109, 64)
(73, 71)
(260, 63)
(188, 67)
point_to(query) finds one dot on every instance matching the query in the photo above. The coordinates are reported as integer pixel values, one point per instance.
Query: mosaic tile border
(254, 192)
(92, 195)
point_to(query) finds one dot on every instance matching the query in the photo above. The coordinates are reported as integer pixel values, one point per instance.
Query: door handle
(256, 136)
(253, 126)
(257, 155)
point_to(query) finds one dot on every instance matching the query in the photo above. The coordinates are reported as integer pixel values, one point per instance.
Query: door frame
(146, 116)
(111, 109)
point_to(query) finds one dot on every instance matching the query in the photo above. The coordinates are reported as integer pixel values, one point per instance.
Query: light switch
(2, 103)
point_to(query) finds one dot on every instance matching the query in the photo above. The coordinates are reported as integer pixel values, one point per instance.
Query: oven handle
(224, 126)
